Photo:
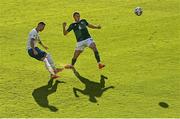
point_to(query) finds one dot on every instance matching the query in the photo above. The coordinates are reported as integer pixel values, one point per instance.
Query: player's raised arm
(65, 32)
(94, 26)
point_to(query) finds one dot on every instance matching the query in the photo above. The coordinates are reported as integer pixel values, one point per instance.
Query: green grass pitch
(141, 53)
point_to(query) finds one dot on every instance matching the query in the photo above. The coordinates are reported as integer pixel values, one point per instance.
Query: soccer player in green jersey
(83, 38)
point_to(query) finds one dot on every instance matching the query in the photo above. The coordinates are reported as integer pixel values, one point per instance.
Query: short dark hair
(75, 13)
(42, 23)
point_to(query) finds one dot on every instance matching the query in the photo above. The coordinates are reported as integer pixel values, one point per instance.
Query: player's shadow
(92, 89)
(41, 94)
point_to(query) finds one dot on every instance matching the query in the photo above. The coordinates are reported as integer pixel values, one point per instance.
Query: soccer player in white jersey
(38, 54)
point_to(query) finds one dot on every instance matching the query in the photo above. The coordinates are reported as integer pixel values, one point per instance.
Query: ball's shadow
(163, 104)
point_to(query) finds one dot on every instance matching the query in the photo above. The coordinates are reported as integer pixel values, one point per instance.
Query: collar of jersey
(78, 21)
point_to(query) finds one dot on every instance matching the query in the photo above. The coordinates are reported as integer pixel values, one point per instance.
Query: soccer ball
(138, 11)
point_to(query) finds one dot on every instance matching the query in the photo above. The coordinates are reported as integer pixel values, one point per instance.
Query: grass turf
(141, 54)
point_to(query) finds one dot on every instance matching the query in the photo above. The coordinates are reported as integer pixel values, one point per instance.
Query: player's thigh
(93, 46)
(80, 46)
(40, 56)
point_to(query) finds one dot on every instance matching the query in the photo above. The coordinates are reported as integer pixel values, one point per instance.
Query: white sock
(48, 66)
(50, 60)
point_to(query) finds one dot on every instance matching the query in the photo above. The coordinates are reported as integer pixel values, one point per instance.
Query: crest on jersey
(82, 22)
(80, 27)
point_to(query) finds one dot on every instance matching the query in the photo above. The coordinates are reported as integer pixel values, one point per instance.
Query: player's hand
(45, 47)
(35, 52)
(64, 24)
(98, 27)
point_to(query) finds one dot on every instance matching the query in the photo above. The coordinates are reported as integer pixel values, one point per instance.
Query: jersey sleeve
(32, 35)
(70, 28)
(85, 22)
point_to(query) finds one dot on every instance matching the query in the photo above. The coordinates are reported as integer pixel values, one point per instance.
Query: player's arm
(32, 46)
(94, 26)
(65, 32)
(40, 42)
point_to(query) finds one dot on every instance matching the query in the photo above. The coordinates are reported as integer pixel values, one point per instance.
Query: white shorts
(83, 44)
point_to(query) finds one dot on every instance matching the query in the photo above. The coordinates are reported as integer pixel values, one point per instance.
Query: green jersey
(80, 30)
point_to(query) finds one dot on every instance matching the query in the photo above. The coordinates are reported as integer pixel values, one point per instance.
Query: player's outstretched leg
(96, 53)
(51, 62)
(49, 68)
(73, 61)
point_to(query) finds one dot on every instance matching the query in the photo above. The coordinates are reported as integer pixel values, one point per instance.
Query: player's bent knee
(42, 59)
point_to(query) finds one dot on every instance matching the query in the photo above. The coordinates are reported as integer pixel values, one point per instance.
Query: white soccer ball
(138, 11)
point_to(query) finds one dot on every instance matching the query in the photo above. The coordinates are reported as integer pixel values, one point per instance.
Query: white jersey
(33, 34)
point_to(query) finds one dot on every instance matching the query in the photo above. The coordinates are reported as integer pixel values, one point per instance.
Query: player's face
(77, 17)
(41, 27)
